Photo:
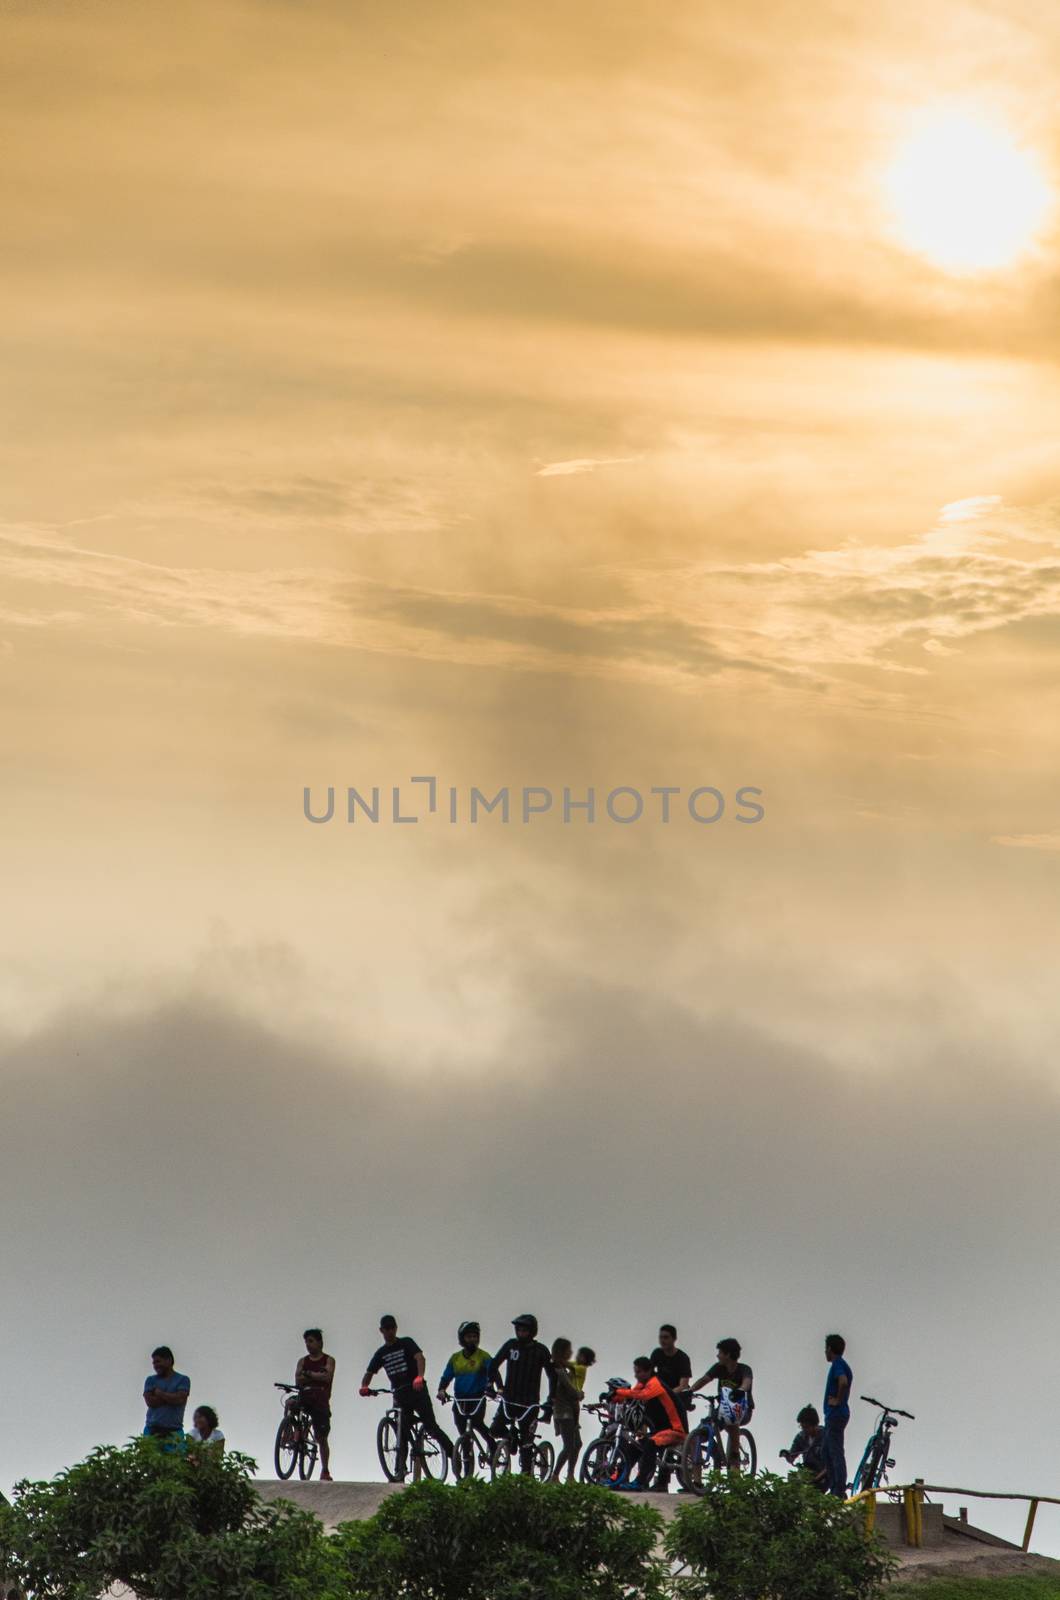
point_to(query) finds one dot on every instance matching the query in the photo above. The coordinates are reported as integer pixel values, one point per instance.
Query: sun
(964, 194)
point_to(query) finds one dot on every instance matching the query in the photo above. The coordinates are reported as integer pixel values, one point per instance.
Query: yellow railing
(913, 1506)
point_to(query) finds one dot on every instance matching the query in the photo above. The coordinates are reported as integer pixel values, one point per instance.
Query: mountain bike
(509, 1445)
(472, 1449)
(609, 1458)
(706, 1450)
(426, 1454)
(877, 1459)
(296, 1440)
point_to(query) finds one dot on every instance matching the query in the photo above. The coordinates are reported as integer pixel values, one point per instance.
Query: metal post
(1028, 1530)
(918, 1503)
(907, 1508)
(870, 1511)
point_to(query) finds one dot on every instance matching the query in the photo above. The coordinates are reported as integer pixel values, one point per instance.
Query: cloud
(227, 1183)
(1029, 841)
(804, 624)
(567, 469)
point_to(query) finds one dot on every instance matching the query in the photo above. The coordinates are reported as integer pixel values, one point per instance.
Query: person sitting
(664, 1422)
(204, 1429)
(735, 1398)
(809, 1444)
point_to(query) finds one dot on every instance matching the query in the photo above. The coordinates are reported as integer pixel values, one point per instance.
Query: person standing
(405, 1365)
(566, 1408)
(525, 1359)
(165, 1396)
(673, 1367)
(314, 1376)
(671, 1364)
(836, 1413)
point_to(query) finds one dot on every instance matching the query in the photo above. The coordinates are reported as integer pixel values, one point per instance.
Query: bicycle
(474, 1447)
(706, 1450)
(608, 1458)
(426, 1454)
(296, 1440)
(877, 1459)
(542, 1455)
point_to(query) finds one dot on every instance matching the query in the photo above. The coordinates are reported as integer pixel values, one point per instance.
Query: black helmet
(527, 1320)
(467, 1327)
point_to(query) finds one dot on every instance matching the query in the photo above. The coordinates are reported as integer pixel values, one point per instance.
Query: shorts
(321, 1420)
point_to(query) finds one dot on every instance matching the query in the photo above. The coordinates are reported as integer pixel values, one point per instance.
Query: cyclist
(404, 1364)
(735, 1395)
(466, 1370)
(664, 1420)
(525, 1359)
(836, 1413)
(809, 1444)
(313, 1377)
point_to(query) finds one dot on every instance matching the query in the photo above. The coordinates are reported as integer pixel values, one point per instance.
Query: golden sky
(548, 395)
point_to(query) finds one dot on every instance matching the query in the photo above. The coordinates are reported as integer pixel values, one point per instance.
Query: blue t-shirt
(837, 1370)
(466, 1373)
(168, 1416)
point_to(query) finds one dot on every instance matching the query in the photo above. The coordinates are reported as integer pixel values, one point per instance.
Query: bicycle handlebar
(898, 1412)
(288, 1388)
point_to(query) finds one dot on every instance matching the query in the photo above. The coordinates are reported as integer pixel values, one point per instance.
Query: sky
(559, 399)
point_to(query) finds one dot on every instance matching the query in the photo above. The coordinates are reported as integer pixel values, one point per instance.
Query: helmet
(732, 1406)
(617, 1383)
(527, 1320)
(467, 1327)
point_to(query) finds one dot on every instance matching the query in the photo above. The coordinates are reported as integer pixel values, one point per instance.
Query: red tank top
(315, 1379)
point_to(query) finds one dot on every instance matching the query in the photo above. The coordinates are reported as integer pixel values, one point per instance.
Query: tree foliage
(515, 1539)
(168, 1524)
(770, 1538)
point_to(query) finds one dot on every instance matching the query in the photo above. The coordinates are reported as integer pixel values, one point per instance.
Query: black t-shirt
(398, 1361)
(525, 1361)
(671, 1368)
(734, 1380)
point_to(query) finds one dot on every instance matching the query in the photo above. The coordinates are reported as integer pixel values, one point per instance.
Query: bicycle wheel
(501, 1459)
(604, 1463)
(307, 1455)
(864, 1477)
(697, 1459)
(387, 1441)
(748, 1454)
(542, 1461)
(285, 1451)
(431, 1457)
(464, 1455)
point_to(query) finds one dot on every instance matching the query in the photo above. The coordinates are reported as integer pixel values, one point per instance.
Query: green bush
(770, 1538)
(515, 1539)
(167, 1524)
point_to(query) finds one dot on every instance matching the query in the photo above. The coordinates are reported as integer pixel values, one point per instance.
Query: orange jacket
(661, 1409)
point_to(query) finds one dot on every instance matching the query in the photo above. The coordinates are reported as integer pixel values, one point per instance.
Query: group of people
(663, 1385)
(166, 1394)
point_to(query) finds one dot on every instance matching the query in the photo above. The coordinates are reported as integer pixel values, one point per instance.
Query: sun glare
(965, 194)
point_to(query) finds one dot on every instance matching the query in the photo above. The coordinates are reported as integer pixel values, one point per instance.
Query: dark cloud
(179, 1171)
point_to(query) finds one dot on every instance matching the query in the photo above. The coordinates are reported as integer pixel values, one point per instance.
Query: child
(204, 1429)
(809, 1444)
(585, 1359)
